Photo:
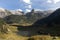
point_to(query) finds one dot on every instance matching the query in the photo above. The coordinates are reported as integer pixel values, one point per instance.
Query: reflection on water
(26, 33)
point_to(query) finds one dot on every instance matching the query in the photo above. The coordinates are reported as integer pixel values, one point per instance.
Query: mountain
(48, 12)
(30, 17)
(52, 18)
(17, 12)
(47, 25)
(41, 13)
(5, 12)
(38, 14)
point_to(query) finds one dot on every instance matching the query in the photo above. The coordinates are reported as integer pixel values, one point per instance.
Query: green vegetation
(2, 23)
(8, 32)
(22, 19)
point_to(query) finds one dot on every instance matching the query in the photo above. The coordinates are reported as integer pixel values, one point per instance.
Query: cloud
(27, 1)
(53, 1)
(40, 4)
(28, 4)
(27, 10)
(49, 1)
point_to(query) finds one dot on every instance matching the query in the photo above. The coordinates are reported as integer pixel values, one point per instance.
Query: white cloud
(53, 1)
(27, 1)
(27, 10)
(49, 1)
(27, 4)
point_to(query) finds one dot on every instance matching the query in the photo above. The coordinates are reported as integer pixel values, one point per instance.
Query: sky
(27, 5)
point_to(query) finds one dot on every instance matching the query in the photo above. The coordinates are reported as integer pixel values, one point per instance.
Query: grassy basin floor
(13, 36)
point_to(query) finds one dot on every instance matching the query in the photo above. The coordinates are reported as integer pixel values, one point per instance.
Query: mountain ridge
(20, 12)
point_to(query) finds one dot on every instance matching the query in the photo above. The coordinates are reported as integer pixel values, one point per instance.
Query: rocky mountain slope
(5, 12)
(48, 25)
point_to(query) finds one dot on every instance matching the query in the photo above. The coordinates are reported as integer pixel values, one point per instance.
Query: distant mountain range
(5, 12)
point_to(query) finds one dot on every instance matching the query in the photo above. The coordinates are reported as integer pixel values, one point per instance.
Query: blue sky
(29, 4)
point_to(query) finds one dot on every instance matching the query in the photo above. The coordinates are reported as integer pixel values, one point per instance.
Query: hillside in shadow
(48, 25)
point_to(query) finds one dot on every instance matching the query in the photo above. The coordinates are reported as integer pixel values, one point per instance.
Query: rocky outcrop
(5, 12)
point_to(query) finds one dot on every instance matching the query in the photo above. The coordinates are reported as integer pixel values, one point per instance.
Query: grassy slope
(13, 36)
